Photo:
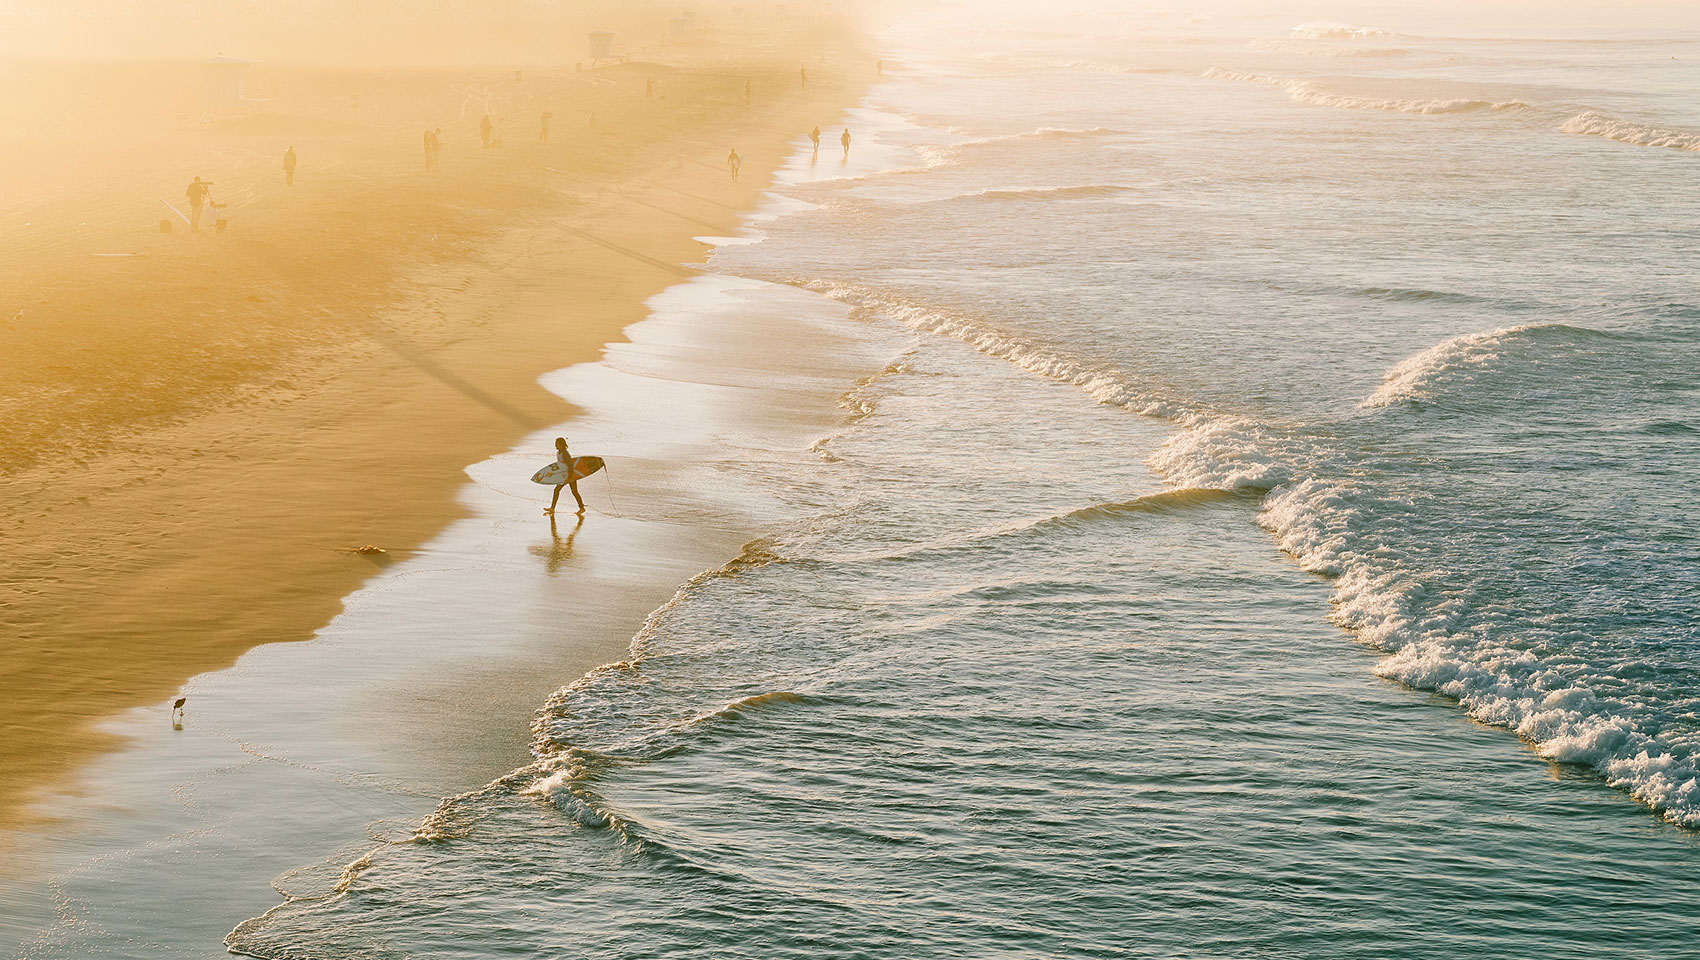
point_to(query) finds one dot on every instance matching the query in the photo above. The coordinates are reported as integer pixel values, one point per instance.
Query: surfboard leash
(608, 483)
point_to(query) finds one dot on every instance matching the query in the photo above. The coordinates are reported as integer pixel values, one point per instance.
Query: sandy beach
(196, 434)
(1079, 480)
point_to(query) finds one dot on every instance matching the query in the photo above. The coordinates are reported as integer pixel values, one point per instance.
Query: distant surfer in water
(565, 459)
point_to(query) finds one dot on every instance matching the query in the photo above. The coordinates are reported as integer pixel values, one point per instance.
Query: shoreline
(430, 676)
(448, 374)
(425, 684)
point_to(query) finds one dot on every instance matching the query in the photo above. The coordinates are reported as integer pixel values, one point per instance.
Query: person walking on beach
(565, 459)
(734, 162)
(485, 127)
(289, 167)
(803, 75)
(197, 193)
(814, 138)
(846, 141)
(543, 130)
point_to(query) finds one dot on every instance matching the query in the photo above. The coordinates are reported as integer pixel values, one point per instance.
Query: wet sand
(291, 766)
(195, 436)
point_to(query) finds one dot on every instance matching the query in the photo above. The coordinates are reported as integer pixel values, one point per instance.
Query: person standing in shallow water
(565, 459)
(846, 141)
(289, 167)
(734, 162)
(485, 127)
(814, 138)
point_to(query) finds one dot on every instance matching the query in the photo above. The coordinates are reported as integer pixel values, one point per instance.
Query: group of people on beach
(735, 163)
(844, 138)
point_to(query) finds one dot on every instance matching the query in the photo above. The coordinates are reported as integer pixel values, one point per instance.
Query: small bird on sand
(177, 708)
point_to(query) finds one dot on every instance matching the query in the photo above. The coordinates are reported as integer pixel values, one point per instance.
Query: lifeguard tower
(602, 49)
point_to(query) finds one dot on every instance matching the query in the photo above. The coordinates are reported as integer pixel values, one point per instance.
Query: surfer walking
(565, 459)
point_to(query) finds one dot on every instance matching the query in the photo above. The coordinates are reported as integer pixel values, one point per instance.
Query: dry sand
(191, 438)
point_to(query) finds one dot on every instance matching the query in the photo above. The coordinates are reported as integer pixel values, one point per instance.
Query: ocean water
(1268, 535)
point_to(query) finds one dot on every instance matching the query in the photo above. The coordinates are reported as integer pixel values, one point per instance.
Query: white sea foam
(1413, 379)
(1337, 31)
(1433, 644)
(1435, 640)
(1595, 124)
(1335, 527)
(1308, 92)
(1104, 382)
(1317, 97)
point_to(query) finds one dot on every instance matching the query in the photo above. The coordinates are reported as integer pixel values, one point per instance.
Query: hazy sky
(537, 30)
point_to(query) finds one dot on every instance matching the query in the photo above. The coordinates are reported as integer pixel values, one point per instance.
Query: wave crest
(1419, 378)
(1307, 91)
(1594, 124)
(1337, 31)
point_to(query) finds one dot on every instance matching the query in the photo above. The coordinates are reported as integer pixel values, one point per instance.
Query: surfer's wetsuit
(564, 457)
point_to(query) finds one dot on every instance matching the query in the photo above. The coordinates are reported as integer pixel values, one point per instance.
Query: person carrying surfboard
(565, 459)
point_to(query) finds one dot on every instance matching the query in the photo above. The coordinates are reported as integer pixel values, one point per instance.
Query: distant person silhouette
(197, 193)
(543, 129)
(746, 91)
(565, 459)
(846, 141)
(485, 128)
(289, 167)
(803, 75)
(649, 86)
(814, 138)
(734, 162)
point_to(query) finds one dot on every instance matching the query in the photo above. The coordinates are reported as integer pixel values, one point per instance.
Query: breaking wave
(1308, 92)
(1595, 124)
(1105, 382)
(1333, 523)
(1425, 376)
(1337, 31)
